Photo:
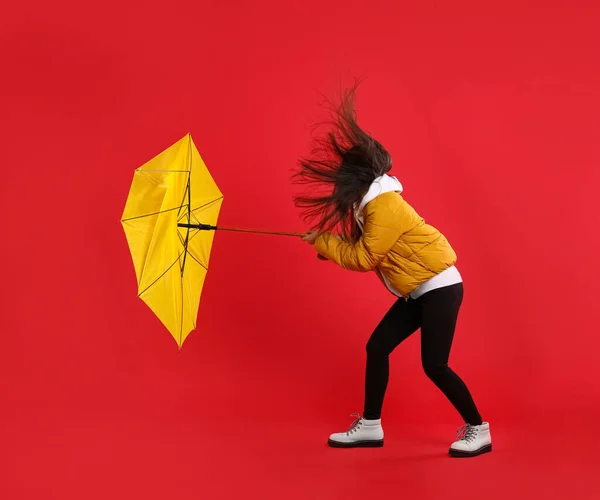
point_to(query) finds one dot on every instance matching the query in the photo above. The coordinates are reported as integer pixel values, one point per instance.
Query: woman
(363, 224)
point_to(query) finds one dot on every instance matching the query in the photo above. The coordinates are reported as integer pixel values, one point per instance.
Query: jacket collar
(383, 184)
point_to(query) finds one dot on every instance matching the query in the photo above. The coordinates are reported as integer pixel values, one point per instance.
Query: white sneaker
(472, 440)
(361, 434)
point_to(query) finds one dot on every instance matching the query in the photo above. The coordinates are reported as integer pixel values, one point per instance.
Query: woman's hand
(310, 237)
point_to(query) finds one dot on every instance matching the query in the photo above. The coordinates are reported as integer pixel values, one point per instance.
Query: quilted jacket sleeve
(383, 227)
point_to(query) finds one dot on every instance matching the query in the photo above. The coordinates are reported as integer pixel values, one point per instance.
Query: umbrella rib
(194, 258)
(192, 214)
(166, 271)
(187, 250)
(182, 241)
(207, 204)
(182, 309)
(187, 187)
(191, 237)
(151, 214)
(170, 210)
(188, 192)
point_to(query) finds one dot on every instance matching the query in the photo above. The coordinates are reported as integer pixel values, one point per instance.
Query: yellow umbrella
(169, 220)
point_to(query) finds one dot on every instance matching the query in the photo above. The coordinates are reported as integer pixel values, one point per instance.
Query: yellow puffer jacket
(396, 241)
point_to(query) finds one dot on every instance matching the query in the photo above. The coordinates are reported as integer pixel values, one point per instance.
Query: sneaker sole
(356, 444)
(469, 454)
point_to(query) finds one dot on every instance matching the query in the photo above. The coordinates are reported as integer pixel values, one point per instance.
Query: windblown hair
(340, 170)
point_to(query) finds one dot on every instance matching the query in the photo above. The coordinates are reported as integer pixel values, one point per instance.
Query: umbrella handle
(208, 227)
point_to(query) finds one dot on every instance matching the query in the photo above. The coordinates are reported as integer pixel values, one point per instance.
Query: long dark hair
(342, 166)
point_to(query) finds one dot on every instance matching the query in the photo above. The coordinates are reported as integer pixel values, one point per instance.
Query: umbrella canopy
(168, 196)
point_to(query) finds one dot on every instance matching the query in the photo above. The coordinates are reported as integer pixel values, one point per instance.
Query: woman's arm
(382, 230)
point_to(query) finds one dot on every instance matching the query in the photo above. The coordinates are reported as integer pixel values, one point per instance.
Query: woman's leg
(401, 321)
(439, 312)
(398, 324)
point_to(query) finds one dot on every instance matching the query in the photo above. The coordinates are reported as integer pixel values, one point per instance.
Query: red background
(491, 112)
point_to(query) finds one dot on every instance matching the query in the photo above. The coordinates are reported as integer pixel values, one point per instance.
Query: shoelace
(355, 425)
(466, 433)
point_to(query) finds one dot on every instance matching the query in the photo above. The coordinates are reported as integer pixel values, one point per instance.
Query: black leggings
(435, 313)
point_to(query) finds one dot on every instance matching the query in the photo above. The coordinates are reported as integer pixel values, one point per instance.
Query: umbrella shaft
(201, 227)
(207, 227)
